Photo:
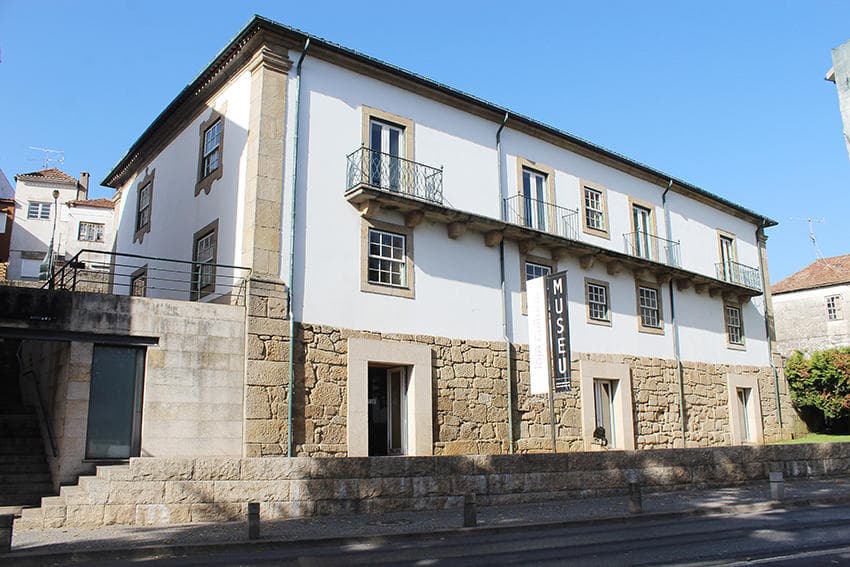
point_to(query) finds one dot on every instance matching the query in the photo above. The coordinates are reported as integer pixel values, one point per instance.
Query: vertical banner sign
(559, 330)
(538, 351)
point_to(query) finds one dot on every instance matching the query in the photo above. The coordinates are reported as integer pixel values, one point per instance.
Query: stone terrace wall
(177, 491)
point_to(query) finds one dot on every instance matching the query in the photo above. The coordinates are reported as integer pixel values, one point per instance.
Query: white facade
(456, 283)
(812, 319)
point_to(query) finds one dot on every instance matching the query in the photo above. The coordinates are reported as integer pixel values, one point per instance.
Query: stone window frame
(641, 327)
(147, 180)
(736, 430)
(834, 307)
(523, 260)
(205, 183)
(139, 274)
(587, 282)
(521, 165)
(623, 405)
(586, 184)
(408, 291)
(196, 295)
(369, 113)
(729, 344)
(420, 405)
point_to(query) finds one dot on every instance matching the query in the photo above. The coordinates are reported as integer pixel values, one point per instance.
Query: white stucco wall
(802, 322)
(69, 243)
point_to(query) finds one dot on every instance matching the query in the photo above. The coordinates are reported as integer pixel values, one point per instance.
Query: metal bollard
(635, 500)
(6, 521)
(253, 520)
(470, 511)
(777, 486)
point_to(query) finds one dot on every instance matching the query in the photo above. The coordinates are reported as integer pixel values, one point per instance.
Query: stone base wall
(152, 491)
(470, 385)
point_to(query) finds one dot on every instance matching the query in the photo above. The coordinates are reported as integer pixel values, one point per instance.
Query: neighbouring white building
(82, 223)
(809, 307)
(390, 224)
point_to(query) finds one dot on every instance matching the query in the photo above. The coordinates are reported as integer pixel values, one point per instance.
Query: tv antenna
(50, 156)
(811, 221)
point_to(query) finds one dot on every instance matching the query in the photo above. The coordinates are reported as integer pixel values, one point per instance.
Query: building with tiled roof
(809, 306)
(81, 223)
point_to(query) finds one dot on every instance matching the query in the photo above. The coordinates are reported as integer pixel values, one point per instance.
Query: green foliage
(821, 381)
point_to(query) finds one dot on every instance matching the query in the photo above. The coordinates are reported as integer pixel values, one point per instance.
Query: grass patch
(816, 438)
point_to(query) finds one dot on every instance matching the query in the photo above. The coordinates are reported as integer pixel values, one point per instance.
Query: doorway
(387, 410)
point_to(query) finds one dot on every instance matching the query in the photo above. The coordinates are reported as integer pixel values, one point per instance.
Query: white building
(419, 213)
(809, 307)
(81, 224)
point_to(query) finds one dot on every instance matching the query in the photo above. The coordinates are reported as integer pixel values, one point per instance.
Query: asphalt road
(810, 537)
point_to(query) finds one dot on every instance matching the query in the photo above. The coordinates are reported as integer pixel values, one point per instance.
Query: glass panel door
(534, 199)
(727, 256)
(641, 219)
(387, 145)
(397, 410)
(603, 395)
(744, 414)
(115, 402)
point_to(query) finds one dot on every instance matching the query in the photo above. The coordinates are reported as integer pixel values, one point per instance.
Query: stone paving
(740, 499)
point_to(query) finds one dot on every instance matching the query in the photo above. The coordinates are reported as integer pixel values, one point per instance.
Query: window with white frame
(834, 308)
(533, 271)
(597, 302)
(594, 211)
(90, 231)
(534, 191)
(734, 325)
(649, 308)
(204, 256)
(143, 207)
(211, 155)
(387, 258)
(38, 210)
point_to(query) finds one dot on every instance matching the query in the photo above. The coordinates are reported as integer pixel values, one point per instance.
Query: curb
(26, 558)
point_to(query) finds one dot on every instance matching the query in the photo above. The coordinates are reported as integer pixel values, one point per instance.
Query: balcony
(739, 274)
(653, 248)
(542, 216)
(394, 174)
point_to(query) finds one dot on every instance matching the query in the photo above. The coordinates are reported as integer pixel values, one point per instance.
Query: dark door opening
(387, 411)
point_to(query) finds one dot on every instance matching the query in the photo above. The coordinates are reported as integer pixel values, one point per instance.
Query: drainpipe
(677, 353)
(761, 242)
(504, 290)
(292, 252)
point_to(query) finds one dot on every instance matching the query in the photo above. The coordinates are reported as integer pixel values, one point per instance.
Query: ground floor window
(115, 402)
(603, 397)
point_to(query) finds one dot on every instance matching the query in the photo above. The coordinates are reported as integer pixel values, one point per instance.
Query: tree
(821, 382)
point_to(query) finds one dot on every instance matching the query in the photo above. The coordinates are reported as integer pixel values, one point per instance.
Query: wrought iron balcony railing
(543, 216)
(654, 248)
(395, 174)
(739, 274)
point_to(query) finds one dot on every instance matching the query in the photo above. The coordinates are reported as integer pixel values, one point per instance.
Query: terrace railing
(133, 274)
(654, 248)
(394, 174)
(739, 274)
(543, 216)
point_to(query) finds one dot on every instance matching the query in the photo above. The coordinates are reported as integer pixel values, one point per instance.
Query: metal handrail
(738, 274)
(395, 174)
(654, 248)
(540, 215)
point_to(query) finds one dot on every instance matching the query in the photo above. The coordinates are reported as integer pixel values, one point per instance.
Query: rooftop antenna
(50, 156)
(815, 245)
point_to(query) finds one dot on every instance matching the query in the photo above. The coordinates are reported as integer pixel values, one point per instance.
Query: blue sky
(728, 95)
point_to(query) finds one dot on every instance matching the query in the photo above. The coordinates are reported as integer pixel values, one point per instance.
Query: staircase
(24, 474)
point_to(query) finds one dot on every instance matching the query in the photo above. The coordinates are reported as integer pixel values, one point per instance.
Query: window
(594, 203)
(90, 232)
(144, 206)
(726, 243)
(734, 325)
(211, 151)
(534, 271)
(387, 259)
(834, 308)
(607, 415)
(30, 269)
(39, 210)
(534, 202)
(532, 267)
(598, 307)
(387, 144)
(3, 217)
(649, 309)
(204, 257)
(139, 282)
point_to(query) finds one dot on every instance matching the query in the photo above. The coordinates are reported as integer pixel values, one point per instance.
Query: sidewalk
(30, 547)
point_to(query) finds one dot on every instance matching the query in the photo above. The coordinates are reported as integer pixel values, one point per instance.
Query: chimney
(83, 188)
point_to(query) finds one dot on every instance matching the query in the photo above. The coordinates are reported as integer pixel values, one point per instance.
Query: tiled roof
(97, 203)
(49, 174)
(823, 272)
